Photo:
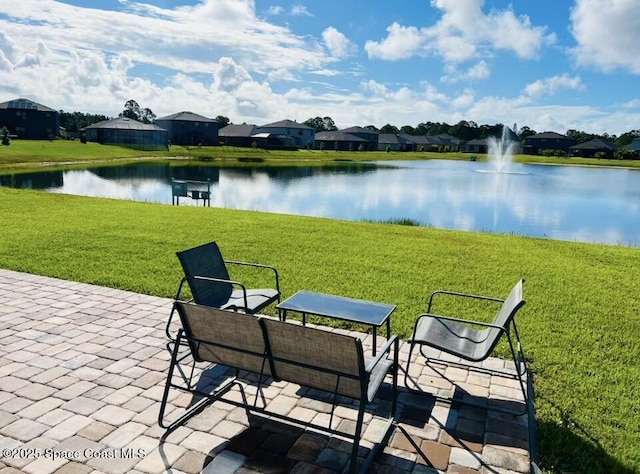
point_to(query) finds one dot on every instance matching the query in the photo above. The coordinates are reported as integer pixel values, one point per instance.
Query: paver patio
(82, 370)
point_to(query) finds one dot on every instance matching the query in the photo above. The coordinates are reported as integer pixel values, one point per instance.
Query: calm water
(559, 202)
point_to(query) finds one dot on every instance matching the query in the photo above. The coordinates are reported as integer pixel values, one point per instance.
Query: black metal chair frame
(244, 308)
(502, 330)
(211, 396)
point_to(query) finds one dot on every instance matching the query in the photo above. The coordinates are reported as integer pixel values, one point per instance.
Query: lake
(587, 204)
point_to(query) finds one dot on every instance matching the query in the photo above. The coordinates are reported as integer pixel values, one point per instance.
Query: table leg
(375, 342)
(304, 319)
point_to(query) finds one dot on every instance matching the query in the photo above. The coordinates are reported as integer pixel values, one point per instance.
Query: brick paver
(82, 371)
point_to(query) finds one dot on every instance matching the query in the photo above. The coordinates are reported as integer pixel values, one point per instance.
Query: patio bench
(282, 351)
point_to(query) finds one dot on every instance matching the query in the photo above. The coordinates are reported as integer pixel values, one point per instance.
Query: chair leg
(406, 372)
(353, 463)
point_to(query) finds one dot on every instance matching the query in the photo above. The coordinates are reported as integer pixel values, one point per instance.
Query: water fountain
(501, 151)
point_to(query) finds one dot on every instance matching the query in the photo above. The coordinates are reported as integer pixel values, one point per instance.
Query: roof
(596, 144)
(359, 130)
(124, 123)
(477, 141)
(186, 117)
(25, 104)
(392, 139)
(417, 139)
(337, 136)
(286, 124)
(241, 130)
(550, 135)
(634, 145)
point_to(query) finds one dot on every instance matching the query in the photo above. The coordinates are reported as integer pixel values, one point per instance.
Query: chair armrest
(231, 282)
(258, 265)
(385, 349)
(464, 295)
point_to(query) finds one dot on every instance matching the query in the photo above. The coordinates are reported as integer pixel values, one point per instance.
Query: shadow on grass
(562, 450)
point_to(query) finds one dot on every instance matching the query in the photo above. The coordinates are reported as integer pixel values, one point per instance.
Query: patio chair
(473, 341)
(205, 272)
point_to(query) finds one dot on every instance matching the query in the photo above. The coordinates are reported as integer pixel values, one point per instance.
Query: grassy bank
(579, 326)
(35, 153)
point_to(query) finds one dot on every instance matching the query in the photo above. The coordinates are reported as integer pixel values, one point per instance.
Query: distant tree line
(463, 130)
(468, 130)
(74, 121)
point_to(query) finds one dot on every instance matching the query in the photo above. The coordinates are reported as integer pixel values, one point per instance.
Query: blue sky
(547, 64)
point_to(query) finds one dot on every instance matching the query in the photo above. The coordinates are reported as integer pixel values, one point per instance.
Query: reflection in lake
(559, 202)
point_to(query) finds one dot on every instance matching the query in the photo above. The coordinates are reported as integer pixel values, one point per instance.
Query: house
(248, 136)
(237, 135)
(591, 148)
(187, 128)
(369, 135)
(550, 141)
(29, 120)
(394, 143)
(303, 135)
(482, 145)
(128, 132)
(477, 145)
(634, 147)
(339, 141)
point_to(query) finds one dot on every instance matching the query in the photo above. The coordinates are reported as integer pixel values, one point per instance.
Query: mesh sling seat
(205, 272)
(474, 341)
(311, 357)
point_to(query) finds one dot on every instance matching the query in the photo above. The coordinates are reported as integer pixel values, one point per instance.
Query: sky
(550, 65)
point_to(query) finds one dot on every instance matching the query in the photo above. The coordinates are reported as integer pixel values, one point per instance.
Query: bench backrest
(224, 337)
(307, 356)
(206, 261)
(316, 358)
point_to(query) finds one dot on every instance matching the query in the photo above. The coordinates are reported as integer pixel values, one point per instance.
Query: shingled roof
(124, 123)
(286, 124)
(186, 116)
(25, 104)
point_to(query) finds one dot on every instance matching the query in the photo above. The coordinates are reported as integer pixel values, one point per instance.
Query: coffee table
(339, 307)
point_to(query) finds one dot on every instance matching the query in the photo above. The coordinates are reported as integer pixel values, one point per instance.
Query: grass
(579, 326)
(33, 153)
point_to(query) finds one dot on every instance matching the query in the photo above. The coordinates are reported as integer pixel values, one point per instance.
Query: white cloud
(477, 72)
(275, 10)
(186, 38)
(607, 33)
(401, 43)
(551, 85)
(463, 32)
(300, 10)
(337, 43)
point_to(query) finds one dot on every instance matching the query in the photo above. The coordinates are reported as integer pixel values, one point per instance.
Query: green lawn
(579, 326)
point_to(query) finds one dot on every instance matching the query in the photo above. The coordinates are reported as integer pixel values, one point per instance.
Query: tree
(147, 116)
(525, 132)
(73, 122)
(133, 111)
(388, 128)
(5, 136)
(627, 137)
(408, 130)
(222, 120)
(321, 124)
